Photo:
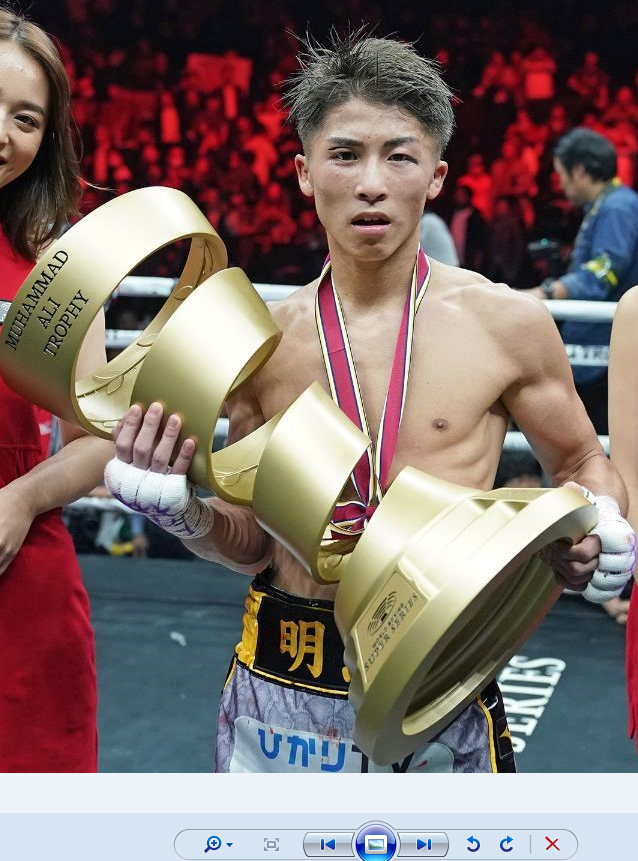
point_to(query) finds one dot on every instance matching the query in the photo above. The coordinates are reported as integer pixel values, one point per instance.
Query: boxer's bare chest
(453, 423)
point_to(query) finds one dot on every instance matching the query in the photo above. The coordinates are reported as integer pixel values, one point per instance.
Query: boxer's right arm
(210, 528)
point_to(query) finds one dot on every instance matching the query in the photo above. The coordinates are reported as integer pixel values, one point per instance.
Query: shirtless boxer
(374, 119)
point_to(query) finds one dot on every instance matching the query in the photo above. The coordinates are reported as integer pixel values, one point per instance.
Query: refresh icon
(504, 844)
(475, 847)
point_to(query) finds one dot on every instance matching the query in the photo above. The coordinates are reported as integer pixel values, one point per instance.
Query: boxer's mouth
(370, 219)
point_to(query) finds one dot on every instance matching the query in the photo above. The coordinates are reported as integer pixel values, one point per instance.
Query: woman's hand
(16, 518)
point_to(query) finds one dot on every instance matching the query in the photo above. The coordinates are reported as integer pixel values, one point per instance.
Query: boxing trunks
(285, 704)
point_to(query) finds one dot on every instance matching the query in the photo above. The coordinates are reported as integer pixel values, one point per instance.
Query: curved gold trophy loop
(212, 344)
(62, 295)
(301, 476)
(432, 621)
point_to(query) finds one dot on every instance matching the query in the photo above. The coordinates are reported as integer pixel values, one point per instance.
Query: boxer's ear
(302, 165)
(438, 178)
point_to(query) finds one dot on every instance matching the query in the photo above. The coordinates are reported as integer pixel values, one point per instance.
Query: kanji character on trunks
(437, 359)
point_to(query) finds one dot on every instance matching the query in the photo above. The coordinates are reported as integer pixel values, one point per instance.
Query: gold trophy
(443, 587)
(446, 581)
(51, 314)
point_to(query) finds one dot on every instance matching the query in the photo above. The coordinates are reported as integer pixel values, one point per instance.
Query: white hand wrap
(168, 500)
(618, 550)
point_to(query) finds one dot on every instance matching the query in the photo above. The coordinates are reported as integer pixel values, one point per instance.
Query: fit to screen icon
(213, 843)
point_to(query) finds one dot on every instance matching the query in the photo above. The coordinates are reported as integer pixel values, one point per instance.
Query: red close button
(551, 844)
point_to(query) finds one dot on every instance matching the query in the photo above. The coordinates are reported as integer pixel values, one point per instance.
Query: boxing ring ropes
(157, 287)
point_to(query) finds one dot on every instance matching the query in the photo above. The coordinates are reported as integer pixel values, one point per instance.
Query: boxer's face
(24, 99)
(370, 169)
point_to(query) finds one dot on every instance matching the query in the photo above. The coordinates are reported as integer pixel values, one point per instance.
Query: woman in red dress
(47, 677)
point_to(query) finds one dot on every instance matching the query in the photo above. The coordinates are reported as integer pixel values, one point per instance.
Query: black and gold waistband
(292, 640)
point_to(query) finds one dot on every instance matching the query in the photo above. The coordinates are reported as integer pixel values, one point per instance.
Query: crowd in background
(188, 95)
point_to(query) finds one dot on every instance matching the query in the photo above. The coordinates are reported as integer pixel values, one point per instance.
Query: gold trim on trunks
(293, 642)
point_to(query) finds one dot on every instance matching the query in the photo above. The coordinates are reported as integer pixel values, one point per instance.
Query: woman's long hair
(35, 207)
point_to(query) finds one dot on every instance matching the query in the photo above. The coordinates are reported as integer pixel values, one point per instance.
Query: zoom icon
(213, 843)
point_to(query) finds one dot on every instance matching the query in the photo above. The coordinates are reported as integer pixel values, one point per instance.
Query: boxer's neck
(364, 285)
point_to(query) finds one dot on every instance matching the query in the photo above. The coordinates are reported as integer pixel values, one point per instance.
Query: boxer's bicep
(545, 405)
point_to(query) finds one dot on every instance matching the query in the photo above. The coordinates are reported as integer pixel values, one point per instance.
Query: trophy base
(426, 630)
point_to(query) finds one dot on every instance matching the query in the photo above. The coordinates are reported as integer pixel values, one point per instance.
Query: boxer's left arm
(545, 405)
(70, 473)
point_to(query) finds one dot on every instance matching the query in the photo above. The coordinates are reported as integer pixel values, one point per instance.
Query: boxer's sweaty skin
(481, 352)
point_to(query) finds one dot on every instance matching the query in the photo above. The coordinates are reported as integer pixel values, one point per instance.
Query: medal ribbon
(370, 475)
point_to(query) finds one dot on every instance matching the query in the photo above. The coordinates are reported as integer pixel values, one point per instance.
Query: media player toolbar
(374, 841)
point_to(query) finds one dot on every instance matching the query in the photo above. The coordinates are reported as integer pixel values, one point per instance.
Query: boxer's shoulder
(508, 316)
(295, 309)
(472, 291)
(448, 277)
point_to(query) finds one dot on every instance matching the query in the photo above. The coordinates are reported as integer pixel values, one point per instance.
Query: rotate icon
(506, 844)
(475, 844)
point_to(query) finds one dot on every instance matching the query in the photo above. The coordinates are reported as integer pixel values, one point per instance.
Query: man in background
(604, 261)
